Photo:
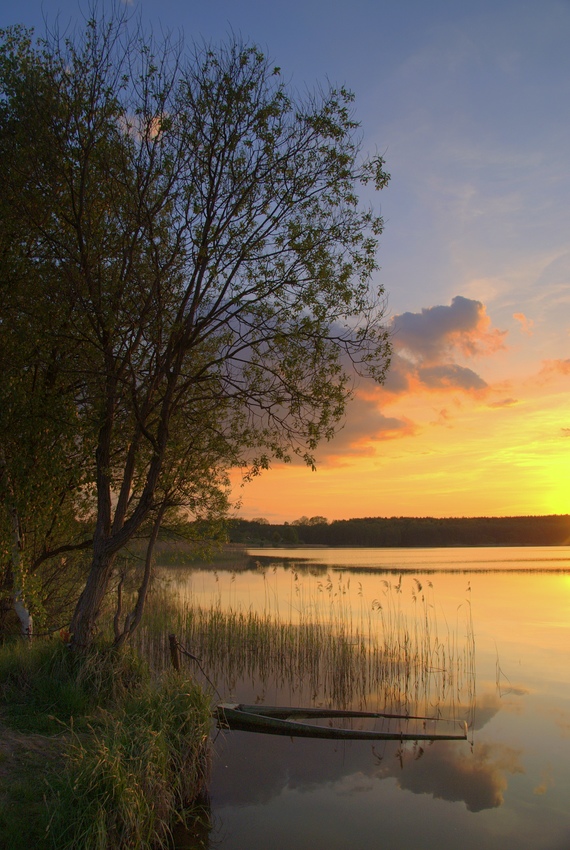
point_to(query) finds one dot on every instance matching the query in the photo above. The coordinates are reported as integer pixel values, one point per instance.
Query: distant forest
(407, 531)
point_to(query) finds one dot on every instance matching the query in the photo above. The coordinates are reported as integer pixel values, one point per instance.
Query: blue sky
(469, 102)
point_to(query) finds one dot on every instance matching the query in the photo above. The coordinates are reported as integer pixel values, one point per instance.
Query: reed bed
(323, 643)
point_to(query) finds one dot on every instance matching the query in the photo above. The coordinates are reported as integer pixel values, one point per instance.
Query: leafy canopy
(193, 258)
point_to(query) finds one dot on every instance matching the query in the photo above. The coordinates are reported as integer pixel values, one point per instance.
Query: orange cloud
(364, 423)
(426, 345)
(505, 402)
(450, 376)
(443, 418)
(555, 367)
(526, 324)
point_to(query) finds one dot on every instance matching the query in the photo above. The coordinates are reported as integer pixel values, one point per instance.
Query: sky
(469, 104)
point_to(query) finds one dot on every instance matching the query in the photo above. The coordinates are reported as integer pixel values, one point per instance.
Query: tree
(42, 483)
(200, 240)
(314, 520)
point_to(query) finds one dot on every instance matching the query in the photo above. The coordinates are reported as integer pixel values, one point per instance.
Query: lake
(497, 620)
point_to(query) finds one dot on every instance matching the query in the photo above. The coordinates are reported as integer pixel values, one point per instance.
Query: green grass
(26, 762)
(45, 685)
(141, 763)
(96, 752)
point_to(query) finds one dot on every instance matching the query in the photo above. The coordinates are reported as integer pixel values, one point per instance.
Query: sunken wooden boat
(277, 720)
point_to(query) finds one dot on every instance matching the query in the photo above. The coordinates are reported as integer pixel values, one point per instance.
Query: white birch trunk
(23, 613)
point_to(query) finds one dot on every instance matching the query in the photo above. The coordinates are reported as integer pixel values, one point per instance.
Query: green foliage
(43, 469)
(200, 265)
(314, 520)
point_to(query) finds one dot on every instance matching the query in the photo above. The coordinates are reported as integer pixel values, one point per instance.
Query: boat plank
(245, 718)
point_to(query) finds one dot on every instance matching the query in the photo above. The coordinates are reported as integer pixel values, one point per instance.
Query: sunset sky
(469, 103)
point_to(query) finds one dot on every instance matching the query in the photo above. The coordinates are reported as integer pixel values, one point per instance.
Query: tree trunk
(15, 570)
(134, 617)
(20, 608)
(86, 615)
(25, 617)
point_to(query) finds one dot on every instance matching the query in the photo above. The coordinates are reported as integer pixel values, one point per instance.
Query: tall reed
(324, 642)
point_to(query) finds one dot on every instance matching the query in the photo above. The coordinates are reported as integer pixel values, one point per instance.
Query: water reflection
(462, 559)
(443, 769)
(510, 789)
(478, 780)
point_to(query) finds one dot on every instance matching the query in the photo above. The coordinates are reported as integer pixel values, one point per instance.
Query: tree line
(551, 530)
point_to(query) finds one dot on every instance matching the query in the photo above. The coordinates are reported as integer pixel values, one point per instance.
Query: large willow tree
(195, 261)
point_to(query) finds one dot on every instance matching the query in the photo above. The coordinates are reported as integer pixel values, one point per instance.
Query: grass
(142, 762)
(119, 754)
(45, 685)
(26, 762)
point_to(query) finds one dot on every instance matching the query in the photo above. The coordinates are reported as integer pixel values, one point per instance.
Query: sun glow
(478, 460)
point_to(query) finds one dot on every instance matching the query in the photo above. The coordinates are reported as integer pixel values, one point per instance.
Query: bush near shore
(96, 752)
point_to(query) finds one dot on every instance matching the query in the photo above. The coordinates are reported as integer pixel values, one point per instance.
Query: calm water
(508, 787)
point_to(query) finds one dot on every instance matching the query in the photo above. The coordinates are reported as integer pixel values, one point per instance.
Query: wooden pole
(174, 652)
